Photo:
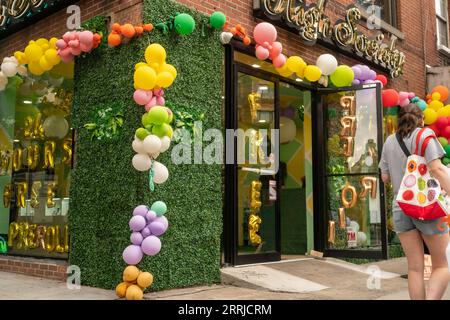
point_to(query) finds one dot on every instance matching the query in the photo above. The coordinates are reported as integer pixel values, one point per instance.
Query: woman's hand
(386, 178)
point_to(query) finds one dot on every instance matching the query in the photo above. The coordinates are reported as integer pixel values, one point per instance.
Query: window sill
(444, 50)
(386, 27)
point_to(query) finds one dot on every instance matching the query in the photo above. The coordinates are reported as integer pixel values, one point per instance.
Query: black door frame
(319, 136)
(320, 175)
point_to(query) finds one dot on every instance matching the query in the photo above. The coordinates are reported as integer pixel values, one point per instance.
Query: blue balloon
(422, 104)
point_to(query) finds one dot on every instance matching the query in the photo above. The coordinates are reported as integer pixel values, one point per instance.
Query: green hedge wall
(105, 188)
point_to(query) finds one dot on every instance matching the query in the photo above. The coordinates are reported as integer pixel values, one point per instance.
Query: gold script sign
(313, 25)
(17, 9)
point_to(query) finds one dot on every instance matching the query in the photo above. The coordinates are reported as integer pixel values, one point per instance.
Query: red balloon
(446, 132)
(390, 98)
(383, 79)
(442, 122)
(436, 129)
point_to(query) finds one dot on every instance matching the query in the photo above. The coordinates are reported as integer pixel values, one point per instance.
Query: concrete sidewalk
(302, 279)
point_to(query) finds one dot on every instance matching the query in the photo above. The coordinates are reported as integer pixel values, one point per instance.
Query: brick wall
(414, 17)
(50, 269)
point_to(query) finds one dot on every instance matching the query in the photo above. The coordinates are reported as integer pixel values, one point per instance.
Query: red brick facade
(416, 20)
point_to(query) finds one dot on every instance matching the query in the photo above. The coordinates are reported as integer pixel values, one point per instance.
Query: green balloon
(161, 130)
(447, 150)
(146, 121)
(142, 133)
(158, 115)
(446, 161)
(184, 24)
(443, 141)
(343, 76)
(392, 111)
(217, 20)
(159, 207)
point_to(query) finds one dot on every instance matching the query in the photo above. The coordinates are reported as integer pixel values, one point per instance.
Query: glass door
(257, 211)
(352, 218)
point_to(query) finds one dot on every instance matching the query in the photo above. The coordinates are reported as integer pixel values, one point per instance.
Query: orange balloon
(139, 30)
(443, 91)
(114, 39)
(148, 27)
(116, 27)
(127, 31)
(247, 41)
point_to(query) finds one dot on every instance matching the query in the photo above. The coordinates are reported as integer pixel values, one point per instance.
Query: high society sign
(313, 26)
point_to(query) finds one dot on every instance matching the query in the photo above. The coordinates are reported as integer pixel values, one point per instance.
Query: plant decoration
(185, 120)
(108, 122)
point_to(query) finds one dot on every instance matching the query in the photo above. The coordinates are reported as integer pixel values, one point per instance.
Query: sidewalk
(302, 279)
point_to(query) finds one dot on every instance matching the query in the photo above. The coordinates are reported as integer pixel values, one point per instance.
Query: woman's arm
(440, 172)
(386, 177)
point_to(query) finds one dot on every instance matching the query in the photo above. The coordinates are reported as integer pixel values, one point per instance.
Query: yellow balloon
(436, 96)
(436, 105)
(140, 64)
(430, 116)
(53, 42)
(296, 64)
(21, 57)
(35, 68)
(51, 55)
(145, 78)
(313, 73)
(33, 52)
(42, 42)
(45, 65)
(284, 71)
(155, 53)
(442, 112)
(164, 79)
(169, 68)
(445, 111)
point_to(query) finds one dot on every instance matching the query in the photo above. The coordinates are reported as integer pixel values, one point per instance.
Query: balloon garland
(124, 33)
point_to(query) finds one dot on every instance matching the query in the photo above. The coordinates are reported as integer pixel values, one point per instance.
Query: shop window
(381, 9)
(442, 23)
(36, 144)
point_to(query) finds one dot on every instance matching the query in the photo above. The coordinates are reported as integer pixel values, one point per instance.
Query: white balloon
(56, 127)
(160, 173)
(22, 70)
(138, 146)
(327, 63)
(165, 144)
(142, 162)
(354, 225)
(361, 239)
(152, 144)
(9, 69)
(288, 130)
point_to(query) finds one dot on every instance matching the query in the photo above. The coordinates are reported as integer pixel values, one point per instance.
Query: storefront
(68, 192)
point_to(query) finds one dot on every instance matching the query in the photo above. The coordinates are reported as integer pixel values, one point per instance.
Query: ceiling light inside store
(299, 80)
(28, 102)
(262, 121)
(256, 66)
(263, 88)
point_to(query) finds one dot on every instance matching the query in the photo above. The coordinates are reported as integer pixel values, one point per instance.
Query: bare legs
(413, 247)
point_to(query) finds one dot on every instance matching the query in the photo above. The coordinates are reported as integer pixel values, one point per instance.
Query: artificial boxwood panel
(105, 187)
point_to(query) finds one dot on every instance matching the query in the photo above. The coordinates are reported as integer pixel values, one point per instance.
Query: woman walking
(413, 232)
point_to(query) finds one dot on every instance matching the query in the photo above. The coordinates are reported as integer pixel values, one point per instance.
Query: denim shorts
(404, 223)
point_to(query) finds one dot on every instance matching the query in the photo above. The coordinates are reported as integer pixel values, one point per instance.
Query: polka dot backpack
(420, 193)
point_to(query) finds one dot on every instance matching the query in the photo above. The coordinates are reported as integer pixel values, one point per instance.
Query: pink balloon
(86, 37)
(86, 47)
(74, 43)
(264, 32)
(411, 95)
(142, 97)
(66, 55)
(160, 101)
(66, 37)
(279, 61)
(158, 92)
(403, 95)
(76, 51)
(61, 44)
(151, 104)
(277, 48)
(262, 53)
(404, 103)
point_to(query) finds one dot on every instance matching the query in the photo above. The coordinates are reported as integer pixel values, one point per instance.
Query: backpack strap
(402, 145)
(419, 135)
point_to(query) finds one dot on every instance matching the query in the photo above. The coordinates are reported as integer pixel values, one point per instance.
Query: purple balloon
(151, 215)
(365, 73)
(146, 232)
(132, 255)
(157, 228)
(163, 220)
(136, 238)
(289, 113)
(357, 71)
(137, 223)
(356, 82)
(373, 75)
(151, 245)
(140, 211)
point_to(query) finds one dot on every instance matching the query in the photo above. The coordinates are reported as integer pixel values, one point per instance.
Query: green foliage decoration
(105, 188)
(108, 122)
